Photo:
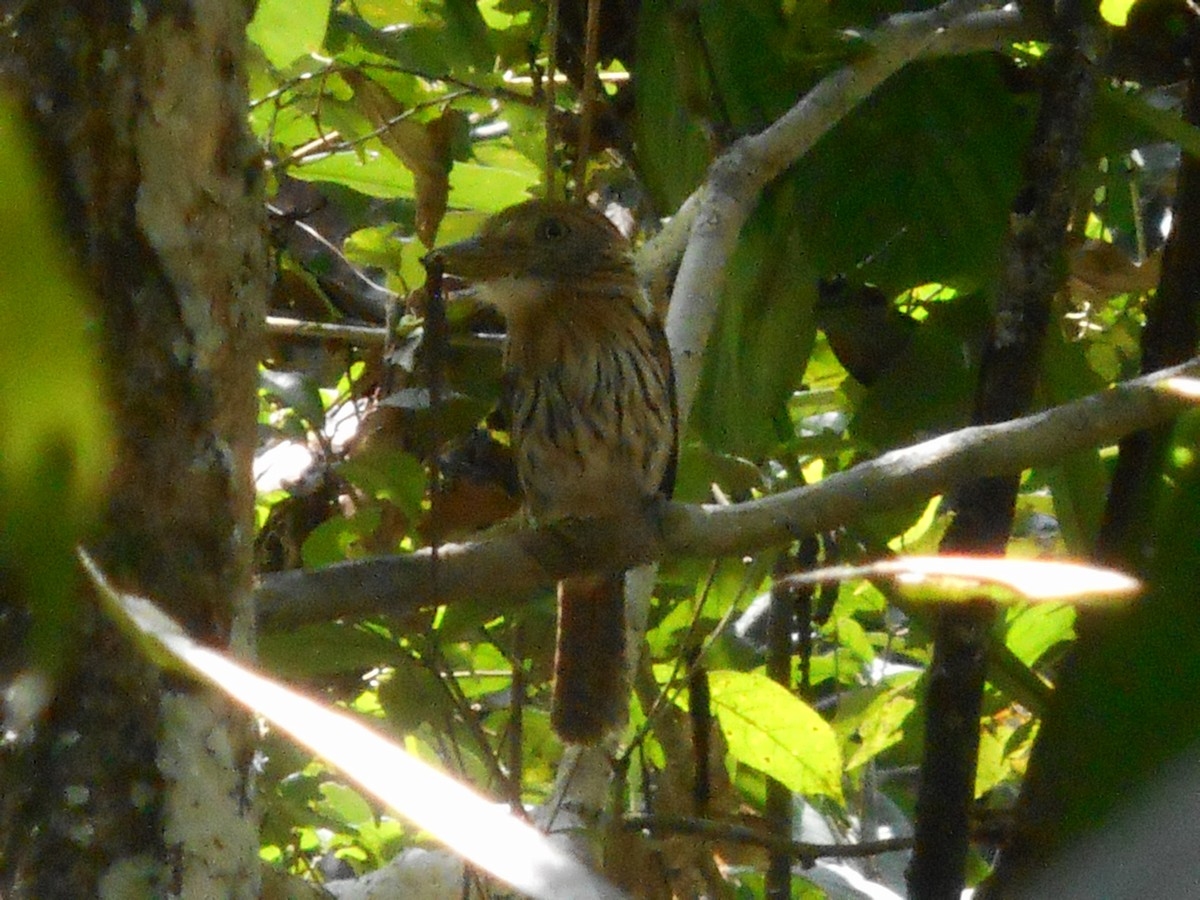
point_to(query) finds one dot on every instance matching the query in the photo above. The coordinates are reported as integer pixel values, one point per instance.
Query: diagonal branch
(713, 217)
(988, 29)
(510, 567)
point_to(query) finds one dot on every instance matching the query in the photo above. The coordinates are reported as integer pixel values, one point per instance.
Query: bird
(590, 390)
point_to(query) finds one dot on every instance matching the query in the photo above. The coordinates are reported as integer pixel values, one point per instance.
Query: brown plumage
(592, 399)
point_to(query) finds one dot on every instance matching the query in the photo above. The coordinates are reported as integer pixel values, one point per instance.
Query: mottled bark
(133, 781)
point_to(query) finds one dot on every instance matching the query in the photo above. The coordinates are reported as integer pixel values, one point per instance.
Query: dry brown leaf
(423, 147)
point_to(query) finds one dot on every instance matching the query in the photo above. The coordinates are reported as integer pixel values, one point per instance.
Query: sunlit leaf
(288, 29)
(344, 804)
(882, 723)
(1184, 387)
(774, 731)
(376, 174)
(483, 831)
(1116, 12)
(949, 579)
(1034, 629)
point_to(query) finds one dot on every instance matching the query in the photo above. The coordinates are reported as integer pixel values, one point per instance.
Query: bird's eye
(550, 230)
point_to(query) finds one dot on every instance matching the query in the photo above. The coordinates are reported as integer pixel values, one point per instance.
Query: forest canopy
(926, 276)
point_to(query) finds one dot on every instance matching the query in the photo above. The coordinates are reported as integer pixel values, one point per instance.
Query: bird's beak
(469, 259)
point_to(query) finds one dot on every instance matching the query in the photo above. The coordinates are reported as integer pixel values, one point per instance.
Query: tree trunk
(133, 783)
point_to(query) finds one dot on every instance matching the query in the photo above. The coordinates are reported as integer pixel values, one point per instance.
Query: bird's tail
(589, 661)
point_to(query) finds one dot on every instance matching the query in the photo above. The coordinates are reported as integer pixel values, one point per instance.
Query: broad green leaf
(915, 186)
(705, 73)
(882, 723)
(327, 649)
(997, 763)
(1034, 629)
(338, 539)
(55, 438)
(388, 474)
(417, 48)
(1079, 483)
(930, 388)
(1140, 116)
(382, 13)
(289, 29)
(763, 336)
(673, 151)
(473, 185)
(499, 177)
(344, 804)
(853, 637)
(772, 730)
(376, 173)
(467, 35)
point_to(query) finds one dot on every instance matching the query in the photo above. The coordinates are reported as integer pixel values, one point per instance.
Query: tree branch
(513, 565)
(360, 335)
(970, 33)
(713, 216)
(743, 834)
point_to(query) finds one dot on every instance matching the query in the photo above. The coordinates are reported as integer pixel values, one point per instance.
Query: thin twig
(743, 834)
(362, 335)
(329, 144)
(550, 92)
(587, 97)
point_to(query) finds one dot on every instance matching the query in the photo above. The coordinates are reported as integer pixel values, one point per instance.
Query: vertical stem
(587, 98)
(1056, 804)
(1032, 272)
(779, 797)
(1170, 336)
(550, 95)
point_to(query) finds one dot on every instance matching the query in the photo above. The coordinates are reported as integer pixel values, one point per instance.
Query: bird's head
(531, 253)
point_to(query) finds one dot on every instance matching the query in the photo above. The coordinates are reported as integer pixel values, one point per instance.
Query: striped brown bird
(592, 399)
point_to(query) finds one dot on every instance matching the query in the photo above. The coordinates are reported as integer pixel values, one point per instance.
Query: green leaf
(1079, 482)
(326, 649)
(1034, 629)
(467, 34)
(338, 539)
(285, 30)
(1134, 111)
(882, 723)
(501, 178)
(388, 474)
(376, 173)
(915, 186)
(995, 761)
(772, 730)
(763, 336)
(296, 391)
(55, 438)
(345, 805)
(672, 148)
